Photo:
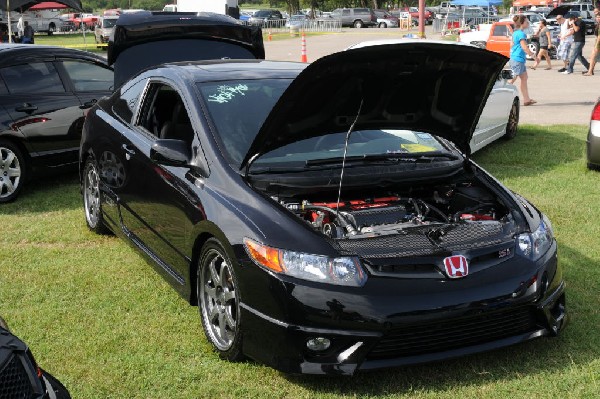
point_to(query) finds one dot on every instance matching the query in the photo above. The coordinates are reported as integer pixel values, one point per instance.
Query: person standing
(20, 27)
(578, 33)
(566, 40)
(518, 51)
(596, 50)
(27, 34)
(545, 41)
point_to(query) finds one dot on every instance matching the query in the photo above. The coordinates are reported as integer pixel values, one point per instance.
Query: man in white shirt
(566, 41)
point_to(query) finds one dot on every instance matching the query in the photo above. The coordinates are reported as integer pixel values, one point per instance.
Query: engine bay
(385, 212)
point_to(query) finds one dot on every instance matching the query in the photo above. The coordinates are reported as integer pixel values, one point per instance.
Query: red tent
(48, 5)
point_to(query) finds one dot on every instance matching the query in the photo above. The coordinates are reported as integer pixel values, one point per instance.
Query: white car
(500, 116)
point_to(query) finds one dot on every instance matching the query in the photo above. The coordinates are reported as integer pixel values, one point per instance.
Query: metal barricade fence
(310, 25)
(447, 24)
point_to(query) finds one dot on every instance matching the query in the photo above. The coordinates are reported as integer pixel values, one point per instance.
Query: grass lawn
(74, 40)
(100, 319)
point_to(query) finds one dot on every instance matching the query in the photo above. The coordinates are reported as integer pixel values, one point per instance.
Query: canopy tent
(22, 5)
(48, 5)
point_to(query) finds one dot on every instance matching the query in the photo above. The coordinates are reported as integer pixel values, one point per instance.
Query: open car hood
(560, 10)
(435, 87)
(144, 39)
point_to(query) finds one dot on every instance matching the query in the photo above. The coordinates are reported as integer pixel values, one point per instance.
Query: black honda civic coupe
(322, 220)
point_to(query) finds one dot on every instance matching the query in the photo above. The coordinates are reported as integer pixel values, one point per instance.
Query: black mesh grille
(415, 241)
(454, 333)
(14, 381)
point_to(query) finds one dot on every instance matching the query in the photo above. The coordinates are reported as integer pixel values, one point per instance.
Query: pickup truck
(444, 8)
(497, 37)
(414, 14)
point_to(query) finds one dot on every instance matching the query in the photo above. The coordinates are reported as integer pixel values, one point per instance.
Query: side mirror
(171, 152)
(506, 74)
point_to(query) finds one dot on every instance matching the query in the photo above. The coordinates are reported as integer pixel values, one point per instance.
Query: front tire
(513, 120)
(13, 170)
(219, 301)
(92, 204)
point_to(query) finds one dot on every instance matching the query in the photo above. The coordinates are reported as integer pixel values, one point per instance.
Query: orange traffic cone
(270, 37)
(303, 57)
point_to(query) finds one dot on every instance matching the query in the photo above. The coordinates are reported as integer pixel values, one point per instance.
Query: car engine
(393, 212)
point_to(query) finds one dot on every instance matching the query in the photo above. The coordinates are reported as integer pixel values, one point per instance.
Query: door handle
(128, 149)
(88, 104)
(26, 107)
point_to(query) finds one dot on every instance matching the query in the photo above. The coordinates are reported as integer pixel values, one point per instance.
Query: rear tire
(383, 25)
(358, 24)
(92, 203)
(13, 171)
(513, 120)
(219, 301)
(593, 167)
(51, 29)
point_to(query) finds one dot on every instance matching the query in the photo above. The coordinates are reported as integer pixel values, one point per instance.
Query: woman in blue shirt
(518, 51)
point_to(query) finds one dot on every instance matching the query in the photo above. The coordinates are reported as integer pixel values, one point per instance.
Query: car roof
(11, 54)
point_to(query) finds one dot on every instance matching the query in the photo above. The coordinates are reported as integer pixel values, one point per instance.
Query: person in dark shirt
(596, 50)
(578, 33)
(27, 34)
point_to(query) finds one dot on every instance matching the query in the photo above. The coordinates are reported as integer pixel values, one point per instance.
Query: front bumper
(366, 334)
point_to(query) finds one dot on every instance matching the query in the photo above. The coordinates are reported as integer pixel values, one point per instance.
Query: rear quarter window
(126, 100)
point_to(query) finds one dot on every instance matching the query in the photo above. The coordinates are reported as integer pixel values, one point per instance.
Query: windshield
(361, 143)
(109, 23)
(239, 108)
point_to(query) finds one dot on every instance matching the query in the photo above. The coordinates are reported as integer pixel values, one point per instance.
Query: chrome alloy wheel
(10, 172)
(218, 305)
(91, 195)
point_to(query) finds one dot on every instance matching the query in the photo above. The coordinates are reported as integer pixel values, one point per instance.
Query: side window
(346, 13)
(500, 30)
(336, 13)
(34, 78)
(128, 98)
(163, 114)
(89, 77)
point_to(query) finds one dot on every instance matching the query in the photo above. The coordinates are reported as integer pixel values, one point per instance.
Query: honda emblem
(456, 266)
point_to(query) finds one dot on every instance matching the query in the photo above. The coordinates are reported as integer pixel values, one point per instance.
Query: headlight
(536, 244)
(344, 270)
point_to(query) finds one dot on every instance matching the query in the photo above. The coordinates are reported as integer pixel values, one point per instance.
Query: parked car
(414, 13)
(44, 94)
(385, 19)
(593, 139)
(500, 39)
(444, 8)
(20, 376)
(500, 116)
(230, 174)
(67, 25)
(356, 17)
(297, 21)
(261, 17)
(106, 27)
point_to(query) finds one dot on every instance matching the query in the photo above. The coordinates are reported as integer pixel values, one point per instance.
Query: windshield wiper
(393, 157)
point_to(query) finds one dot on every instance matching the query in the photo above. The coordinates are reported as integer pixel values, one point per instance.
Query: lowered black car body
(230, 187)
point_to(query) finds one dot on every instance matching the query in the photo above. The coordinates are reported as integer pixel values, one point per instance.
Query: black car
(44, 94)
(325, 231)
(20, 376)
